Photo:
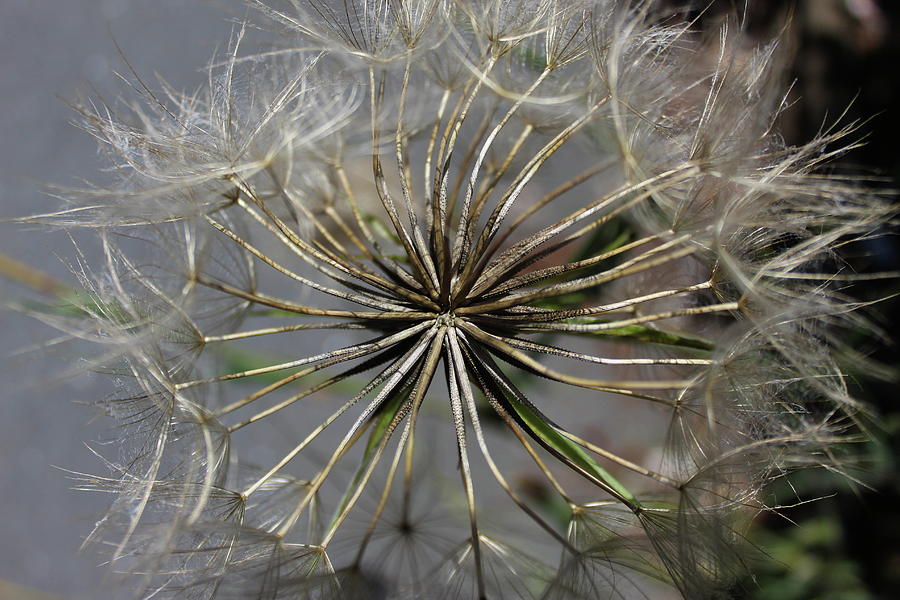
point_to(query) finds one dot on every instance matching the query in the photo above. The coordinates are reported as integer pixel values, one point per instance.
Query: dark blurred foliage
(846, 546)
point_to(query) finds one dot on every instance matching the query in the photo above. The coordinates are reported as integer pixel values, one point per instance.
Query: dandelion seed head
(354, 281)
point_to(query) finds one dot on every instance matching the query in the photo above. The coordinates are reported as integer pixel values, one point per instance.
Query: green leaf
(606, 238)
(639, 333)
(380, 228)
(238, 360)
(379, 424)
(75, 304)
(541, 429)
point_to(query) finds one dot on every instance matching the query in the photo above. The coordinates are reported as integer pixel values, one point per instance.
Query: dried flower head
(507, 251)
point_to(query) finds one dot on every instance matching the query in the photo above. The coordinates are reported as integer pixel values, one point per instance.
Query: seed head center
(445, 319)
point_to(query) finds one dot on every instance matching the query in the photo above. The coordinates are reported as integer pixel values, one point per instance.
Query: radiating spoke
(304, 309)
(420, 273)
(621, 461)
(239, 335)
(532, 277)
(359, 297)
(391, 377)
(511, 195)
(648, 260)
(728, 307)
(468, 487)
(540, 427)
(461, 246)
(544, 315)
(385, 495)
(308, 252)
(459, 382)
(625, 195)
(329, 358)
(353, 433)
(622, 387)
(410, 408)
(600, 360)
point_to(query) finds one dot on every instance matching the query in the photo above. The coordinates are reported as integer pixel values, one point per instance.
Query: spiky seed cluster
(483, 192)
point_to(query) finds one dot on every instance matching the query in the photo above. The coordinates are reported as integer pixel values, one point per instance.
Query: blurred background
(845, 55)
(49, 51)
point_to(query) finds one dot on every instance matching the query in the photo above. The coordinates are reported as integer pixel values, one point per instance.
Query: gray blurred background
(51, 48)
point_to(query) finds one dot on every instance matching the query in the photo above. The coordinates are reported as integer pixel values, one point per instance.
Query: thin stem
(497, 387)
(359, 298)
(460, 426)
(387, 265)
(546, 199)
(502, 286)
(540, 315)
(484, 194)
(356, 429)
(636, 265)
(406, 184)
(616, 387)
(512, 193)
(303, 309)
(619, 460)
(385, 494)
(522, 250)
(459, 381)
(387, 201)
(333, 358)
(600, 360)
(389, 372)
(207, 339)
(684, 312)
(432, 139)
(461, 244)
(284, 233)
(423, 380)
